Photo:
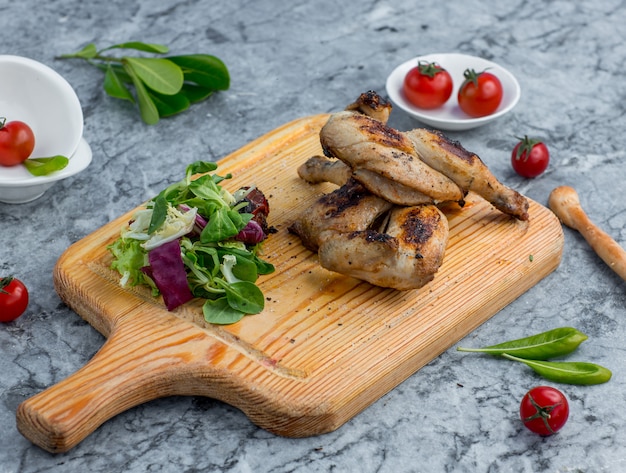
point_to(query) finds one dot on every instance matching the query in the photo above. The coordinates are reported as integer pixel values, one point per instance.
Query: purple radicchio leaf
(251, 234)
(167, 270)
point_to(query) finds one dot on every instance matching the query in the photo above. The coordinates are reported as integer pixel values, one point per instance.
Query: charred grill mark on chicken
(418, 226)
(455, 147)
(348, 195)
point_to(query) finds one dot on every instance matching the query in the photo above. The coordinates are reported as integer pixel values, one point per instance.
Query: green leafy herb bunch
(163, 85)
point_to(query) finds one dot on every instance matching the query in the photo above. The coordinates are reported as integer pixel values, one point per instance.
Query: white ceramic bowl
(450, 116)
(37, 95)
(18, 186)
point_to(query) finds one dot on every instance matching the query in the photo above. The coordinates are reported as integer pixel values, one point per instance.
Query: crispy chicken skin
(350, 208)
(373, 105)
(365, 143)
(394, 192)
(322, 169)
(318, 169)
(405, 255)
(467, 170)
(361, 235)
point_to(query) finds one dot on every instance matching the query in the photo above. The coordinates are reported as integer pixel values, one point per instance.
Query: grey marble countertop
(293, 59)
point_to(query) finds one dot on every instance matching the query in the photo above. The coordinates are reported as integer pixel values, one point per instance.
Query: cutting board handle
(138, 364)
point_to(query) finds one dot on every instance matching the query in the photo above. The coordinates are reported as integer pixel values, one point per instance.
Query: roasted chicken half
(419, 159)
(364, 236)
(382, 224)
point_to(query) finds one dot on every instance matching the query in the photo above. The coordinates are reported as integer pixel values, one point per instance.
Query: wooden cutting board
(325, 347)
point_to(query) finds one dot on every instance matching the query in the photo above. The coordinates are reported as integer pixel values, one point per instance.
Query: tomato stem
(430, 69)
(525, 147)
(4, 282)
(471, 76)
(543, 413)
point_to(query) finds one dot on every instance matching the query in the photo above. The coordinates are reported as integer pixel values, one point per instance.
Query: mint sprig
(160, 86)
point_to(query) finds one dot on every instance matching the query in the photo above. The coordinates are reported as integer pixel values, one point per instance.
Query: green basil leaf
(159, 213)
(139, 46)
(219, 227)
(196, 93)
(46, 166)
(206, 188)
(148, 110)
(550, 344)
(169, 105)
(245, 269)
(114, 87)
(204, 69)
(89, 51)
(200, 167)
(219, 311)
(160, 75)
(119, 70)
(567, 372)
(245, 297)
(240, 220)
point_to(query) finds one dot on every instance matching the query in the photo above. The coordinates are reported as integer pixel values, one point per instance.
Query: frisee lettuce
(204, 220)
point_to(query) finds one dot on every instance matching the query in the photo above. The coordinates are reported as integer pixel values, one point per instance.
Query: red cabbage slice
(167, 270)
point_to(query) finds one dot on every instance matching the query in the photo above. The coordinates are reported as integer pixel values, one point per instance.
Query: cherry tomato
(480, 94)
(427, 85)
(13, 298)
(530, 157)
(17, 142)
(544, 410)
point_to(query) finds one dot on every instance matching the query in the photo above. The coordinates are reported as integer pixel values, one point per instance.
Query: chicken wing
(467, 170)
(318, 169)
(365, 143)
(322, 169)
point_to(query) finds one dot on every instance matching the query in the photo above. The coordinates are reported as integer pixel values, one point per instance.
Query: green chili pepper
(550, 344)
(575, 372)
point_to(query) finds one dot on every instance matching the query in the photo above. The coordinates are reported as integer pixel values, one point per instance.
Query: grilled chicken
(372, 105)
(363, 142)
(420, 159)
(361, 235)
(405, 255)
(382, 225)
(467, 170)
(350, 208)
(322, 169)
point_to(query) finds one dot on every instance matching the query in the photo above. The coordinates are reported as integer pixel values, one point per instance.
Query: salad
(196, 239)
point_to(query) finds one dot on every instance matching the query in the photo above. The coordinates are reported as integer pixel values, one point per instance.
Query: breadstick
(565, 204)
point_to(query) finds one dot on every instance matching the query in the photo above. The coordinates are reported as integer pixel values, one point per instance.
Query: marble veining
(459, 412)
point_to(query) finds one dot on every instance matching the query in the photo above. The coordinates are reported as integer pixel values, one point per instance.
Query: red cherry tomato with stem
(13, 298)
(480, 94)
(530, 157)
(428, 85)
(544, 410)
(17, 142)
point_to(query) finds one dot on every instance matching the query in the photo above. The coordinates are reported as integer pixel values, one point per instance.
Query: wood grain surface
(325, 347)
